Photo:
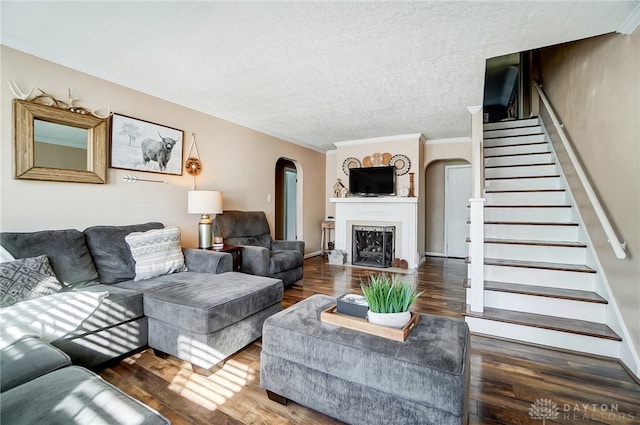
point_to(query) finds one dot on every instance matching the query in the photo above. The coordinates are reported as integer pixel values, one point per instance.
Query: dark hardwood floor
(508, 379)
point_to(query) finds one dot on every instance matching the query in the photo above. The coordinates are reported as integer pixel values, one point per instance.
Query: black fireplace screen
(373, 245)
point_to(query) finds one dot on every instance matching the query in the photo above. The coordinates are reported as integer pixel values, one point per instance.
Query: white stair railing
(618, 247)
(476, 227)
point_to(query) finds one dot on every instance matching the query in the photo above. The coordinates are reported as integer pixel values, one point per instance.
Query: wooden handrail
(618, 247)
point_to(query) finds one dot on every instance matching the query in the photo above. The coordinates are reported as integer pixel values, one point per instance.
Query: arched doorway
(286, 207)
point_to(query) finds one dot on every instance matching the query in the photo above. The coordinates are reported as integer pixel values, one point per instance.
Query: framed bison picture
(145, 146)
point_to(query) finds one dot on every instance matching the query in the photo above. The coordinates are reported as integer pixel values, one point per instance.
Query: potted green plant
(389, 298)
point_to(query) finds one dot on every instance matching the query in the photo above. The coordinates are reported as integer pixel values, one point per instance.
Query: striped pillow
(156, 252)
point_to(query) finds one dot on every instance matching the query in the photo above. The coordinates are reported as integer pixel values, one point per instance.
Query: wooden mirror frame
(24, 114)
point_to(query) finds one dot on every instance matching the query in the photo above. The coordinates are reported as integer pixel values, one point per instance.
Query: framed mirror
(58, 145)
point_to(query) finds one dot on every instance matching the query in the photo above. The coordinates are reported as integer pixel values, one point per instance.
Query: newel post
(476, 228)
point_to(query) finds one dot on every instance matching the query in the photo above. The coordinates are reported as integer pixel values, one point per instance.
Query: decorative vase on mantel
(411, 186)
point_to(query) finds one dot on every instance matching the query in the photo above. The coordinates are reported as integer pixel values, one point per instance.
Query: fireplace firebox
(373, 246)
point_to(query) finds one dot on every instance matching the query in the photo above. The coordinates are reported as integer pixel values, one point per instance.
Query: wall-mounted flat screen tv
(372, 181)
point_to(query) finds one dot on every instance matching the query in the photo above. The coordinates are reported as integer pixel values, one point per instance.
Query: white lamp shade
(205, 202)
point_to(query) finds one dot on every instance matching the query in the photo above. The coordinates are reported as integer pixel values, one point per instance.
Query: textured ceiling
(311, 73)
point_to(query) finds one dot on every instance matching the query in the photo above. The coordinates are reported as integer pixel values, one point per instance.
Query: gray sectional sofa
(106, 312)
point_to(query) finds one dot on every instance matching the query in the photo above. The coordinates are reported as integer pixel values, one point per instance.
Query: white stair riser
(526, 198)
(539, 158)
(569, 309)
(536, 215)
(531, 232)
(512, 132)
(511, 124)
(512, 150)
(541, 277)
(524, 183)
(547, 254)
(563, 340)
(514, 140)
(524, 171)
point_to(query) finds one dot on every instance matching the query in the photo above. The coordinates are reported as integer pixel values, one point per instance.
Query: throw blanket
(49, 318)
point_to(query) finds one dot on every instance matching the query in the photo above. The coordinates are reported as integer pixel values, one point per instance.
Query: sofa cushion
(206, 303)
(234, 225)
(26, 279)
(27, 359)
(66, 250)
(284, 260)
(51, 317)
(111, 253)
(80, 397)
(263, 241)
(121, 305)
(156, 252)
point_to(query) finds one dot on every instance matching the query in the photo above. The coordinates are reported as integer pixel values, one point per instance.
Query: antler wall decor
(45, 98)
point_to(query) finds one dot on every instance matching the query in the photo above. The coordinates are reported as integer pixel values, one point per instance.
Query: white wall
(236, 160)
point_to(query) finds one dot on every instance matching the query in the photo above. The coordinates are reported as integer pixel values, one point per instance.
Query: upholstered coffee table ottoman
(205, 319)
(360, 378)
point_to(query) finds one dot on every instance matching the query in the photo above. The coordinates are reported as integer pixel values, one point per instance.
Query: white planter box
(337, 259)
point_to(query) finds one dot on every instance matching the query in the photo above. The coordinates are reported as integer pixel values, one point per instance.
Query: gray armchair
(261, 255)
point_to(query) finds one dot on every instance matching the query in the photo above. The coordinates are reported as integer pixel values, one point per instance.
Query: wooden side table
(326, 227)
(236, 253)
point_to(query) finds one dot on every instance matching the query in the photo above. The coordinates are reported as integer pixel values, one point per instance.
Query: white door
(290, 204)
(457, 191)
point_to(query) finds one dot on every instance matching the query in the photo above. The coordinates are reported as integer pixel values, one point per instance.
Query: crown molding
(449, 141)
(384, 139)
(631, 23)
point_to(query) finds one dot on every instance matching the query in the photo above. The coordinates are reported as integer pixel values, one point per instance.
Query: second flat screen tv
(372, 181)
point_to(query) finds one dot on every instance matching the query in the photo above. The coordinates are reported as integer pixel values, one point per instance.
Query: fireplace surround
(397, 211)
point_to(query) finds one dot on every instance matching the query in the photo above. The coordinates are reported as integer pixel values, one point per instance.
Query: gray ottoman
(360, 378)
(204, 321)
(73, 395)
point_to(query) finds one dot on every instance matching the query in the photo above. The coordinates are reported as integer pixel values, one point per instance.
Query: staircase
(538, 287)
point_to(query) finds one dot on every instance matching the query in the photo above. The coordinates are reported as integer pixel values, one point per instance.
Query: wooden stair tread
(580, 268)
(513, 135)
(535, 164)
(523, 177)
(567, 244)
(524, 190)
(541, 291)
(530, 223)
(580, 327)
(511, 145)
(504, 155)
(516, 153)
(509, 128)
(526, 206)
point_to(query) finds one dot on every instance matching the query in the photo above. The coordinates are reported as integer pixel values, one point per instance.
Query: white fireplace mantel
(398, 211)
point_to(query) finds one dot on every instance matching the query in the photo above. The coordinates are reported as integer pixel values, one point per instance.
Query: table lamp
(205, 202)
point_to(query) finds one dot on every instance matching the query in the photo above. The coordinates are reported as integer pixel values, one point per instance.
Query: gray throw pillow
(27, 279)
(110, 252)
(65, 249)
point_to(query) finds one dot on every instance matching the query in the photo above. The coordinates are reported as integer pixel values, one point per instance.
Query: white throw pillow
(156, 252)
(5, 255)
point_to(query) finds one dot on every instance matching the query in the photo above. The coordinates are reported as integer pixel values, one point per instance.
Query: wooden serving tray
(331, 316)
